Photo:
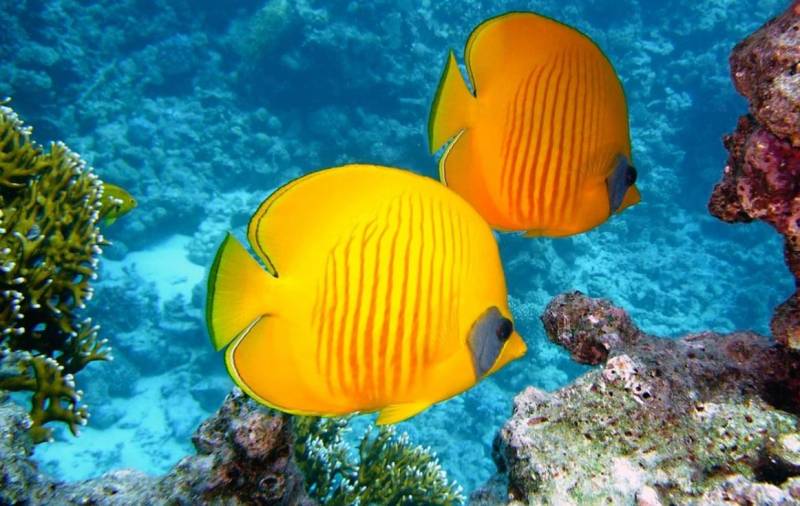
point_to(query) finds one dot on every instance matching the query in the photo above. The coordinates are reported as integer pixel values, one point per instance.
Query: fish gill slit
(547, 181)
(537, 167)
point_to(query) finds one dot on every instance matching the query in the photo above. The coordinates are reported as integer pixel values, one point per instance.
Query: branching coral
(389, 469)
(49, 249)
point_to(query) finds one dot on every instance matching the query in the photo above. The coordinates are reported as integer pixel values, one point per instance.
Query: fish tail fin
(452, 106)
(238, 287)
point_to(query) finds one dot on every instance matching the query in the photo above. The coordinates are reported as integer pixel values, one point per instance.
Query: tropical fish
(115, 203)
(380, 290)
(542, 145)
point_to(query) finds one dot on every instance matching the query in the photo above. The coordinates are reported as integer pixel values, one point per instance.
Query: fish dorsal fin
(258, 222)
(299, 214)
(518, 42)
(399, 412)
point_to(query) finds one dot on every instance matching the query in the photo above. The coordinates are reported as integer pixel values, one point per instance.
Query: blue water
(201, 109)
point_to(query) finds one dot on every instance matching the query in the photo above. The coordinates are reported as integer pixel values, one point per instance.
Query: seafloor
(200, 109)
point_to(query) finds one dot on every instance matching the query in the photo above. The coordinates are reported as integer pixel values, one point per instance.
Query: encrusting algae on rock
(246, 454)
(50, 244)
(697, 420)
(761, 180)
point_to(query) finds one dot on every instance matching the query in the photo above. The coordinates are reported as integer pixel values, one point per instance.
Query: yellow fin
(632, 197)
(263, 362)
(452, 106)
(237, 290)
(399, 412)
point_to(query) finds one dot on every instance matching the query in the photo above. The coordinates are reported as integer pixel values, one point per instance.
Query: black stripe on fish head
(486, 338)
(623, 177)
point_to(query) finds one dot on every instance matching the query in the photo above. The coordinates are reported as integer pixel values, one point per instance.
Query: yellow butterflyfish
(380, 290)
(542, 145)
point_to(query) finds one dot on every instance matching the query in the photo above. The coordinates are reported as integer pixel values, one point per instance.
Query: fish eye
(504, 329)
(630, 176)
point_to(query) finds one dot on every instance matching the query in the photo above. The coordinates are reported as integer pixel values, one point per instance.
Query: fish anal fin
(262, 361)
(399, 412)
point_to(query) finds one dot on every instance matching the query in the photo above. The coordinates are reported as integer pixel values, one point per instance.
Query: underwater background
(201, 109)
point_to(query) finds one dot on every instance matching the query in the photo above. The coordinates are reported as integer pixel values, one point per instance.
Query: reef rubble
(761, 180)
(244, 456)
(704, 419)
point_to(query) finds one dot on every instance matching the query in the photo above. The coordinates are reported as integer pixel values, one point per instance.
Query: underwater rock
(761, 180)
(707, 418)
(245, 456)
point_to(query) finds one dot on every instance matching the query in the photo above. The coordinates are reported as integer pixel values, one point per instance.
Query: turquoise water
(201, 109)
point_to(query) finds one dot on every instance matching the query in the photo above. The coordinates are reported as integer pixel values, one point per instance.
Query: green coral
(388, 468)
(49, 249)
(263, 33)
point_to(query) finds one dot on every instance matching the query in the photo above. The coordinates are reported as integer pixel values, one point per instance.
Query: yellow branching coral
(49, 249)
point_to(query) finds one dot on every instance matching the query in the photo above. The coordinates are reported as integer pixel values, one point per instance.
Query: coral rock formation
(761, 180)
(246, 454)
(706, 418)
(244, 457)
(49, 251)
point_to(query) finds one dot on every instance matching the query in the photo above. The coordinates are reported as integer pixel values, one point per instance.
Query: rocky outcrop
(761, 180)
(706, 418)
(244, 456)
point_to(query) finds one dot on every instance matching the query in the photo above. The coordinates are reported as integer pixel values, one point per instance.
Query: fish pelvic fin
(238, 287)
(399, 412)
(452, 107)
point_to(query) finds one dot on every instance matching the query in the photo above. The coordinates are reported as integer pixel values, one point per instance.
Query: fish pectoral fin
(399, 412)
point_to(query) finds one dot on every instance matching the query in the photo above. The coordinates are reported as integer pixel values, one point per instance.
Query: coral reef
(704, 418)
(244, 457)
(49, 250)
(761, 180)
(246, 454)
(165, 109)
(389, 469)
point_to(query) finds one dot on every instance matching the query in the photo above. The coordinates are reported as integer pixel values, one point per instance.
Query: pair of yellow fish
(383, 290)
